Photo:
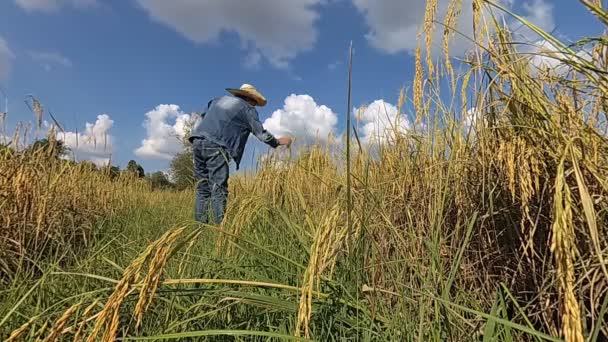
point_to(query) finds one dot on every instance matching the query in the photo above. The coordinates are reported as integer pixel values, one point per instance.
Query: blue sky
(85, 58)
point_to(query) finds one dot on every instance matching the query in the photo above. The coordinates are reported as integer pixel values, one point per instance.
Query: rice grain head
(78, 336)
(155, 270)
(564, 248)
(418, 85)
(57, 329)
(450, 24)
(17, 333)
(107, 321)
(429, 31)
(330, 237)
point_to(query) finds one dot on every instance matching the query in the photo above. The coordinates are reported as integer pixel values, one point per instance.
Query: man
(220, 135)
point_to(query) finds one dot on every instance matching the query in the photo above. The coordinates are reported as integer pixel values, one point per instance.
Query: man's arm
(258, 130)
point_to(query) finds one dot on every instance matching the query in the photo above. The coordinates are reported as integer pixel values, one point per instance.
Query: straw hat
(249, 91)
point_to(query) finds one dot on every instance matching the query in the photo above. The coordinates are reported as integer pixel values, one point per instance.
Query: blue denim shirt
(228, 122)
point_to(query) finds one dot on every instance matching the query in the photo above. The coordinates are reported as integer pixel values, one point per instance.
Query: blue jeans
(211, 174)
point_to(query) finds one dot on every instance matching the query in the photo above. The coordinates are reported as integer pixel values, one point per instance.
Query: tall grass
(48, 205)
(485, 224)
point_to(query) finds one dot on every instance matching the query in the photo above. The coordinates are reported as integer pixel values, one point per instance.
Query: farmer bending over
(219, 136)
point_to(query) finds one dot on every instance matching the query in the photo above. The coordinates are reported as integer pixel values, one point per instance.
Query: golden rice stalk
(418, 85)
(108, 318)
(590, 212)
(180, 267)
(244, 213)
(155, 270)
(41, 331)
(564, 248)
(17, 333)
(57, 329)
(360, 112)
(330, 238)
(463, 95)
(477, 5)
(429, 31)
(450, 26)
(78, 336)
(38, 110)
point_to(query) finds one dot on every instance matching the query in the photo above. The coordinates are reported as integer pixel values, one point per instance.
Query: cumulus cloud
(379, 122)
(394, 24)
(95, 143)
(302, 118)
(545, 56)
(6, 58)
(49, 59)
(473, 121)
(52, 5)
(277, 30)
(166, 128)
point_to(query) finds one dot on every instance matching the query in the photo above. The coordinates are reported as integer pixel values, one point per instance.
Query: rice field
(486, 221)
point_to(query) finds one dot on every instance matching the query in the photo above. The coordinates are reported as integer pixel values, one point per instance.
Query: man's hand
(285, 141)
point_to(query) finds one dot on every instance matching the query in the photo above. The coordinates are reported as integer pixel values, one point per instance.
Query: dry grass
(48, 204)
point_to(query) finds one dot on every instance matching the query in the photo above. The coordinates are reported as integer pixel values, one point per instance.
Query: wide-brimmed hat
(249, 91)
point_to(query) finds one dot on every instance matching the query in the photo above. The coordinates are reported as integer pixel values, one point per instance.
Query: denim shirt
(228, 122)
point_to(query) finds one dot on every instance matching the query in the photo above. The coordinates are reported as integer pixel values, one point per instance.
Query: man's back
(228, 122)
(224, 120)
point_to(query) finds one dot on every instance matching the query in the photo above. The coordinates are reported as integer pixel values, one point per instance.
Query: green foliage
(52, 148)
(111, 170)
(88, 165)
(135, 168)
(159, 181)
(182, 170)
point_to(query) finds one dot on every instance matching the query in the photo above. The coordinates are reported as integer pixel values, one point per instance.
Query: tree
(50, 147)
(159, 180)
(182, 170)
(112, 171)
(136, 169)
(88, 165)
(182, 167)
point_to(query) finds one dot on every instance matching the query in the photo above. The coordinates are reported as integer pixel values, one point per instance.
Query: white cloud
(380, 122)
(545, 56)
(53, 5)
(303, 118)
(277, 30)
(472, 122)
(394, 24)
(165, 126)
(471, 118)
(6, 58)
(48, 59)
(95, 143)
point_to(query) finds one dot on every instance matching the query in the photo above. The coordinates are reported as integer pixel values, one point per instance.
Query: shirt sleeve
(202, 114)
(258, 130)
